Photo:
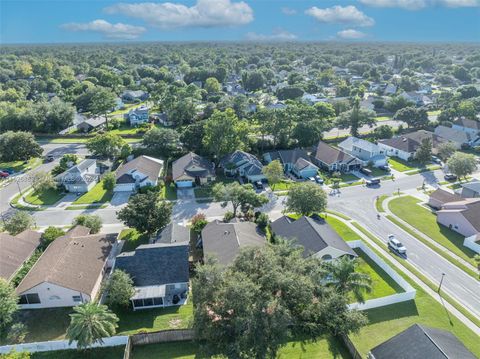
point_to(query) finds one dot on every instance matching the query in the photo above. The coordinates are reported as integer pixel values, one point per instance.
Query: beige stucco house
(461, 216)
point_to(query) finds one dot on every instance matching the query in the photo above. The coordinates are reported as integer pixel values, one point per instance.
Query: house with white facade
(69, 272)
(461, 216)
(315, 235)
(192, 169)
(160, 274)
(243, 164)
(137, 116)
(365, 151)
(334, 159)
(139, 172)
(80, 178)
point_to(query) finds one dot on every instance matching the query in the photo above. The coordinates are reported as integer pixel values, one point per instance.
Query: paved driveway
(185, 194)
(120, 198)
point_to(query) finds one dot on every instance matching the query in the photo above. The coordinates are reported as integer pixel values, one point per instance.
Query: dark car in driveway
(373, 182)
(450, 177)
(258, 185)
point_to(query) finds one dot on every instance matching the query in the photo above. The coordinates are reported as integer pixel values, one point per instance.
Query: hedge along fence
(62, 345)
(163, 336)
(409, 291)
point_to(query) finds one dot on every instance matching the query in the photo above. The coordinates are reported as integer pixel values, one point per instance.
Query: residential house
(69, 272)
(461, 216)
(473, 242)
(457, 137)
(470, 189)
(314, 234)
(93, 123)
(390, 89)
(243, 164)
(137, 116)
(134, 96)
(139, 172)
(421, 342)
(15, 250)
(223, 240)
(365, 151)
(296, 162)
(162, 118)
(470, 126)
(192, 169)
(406, 145)
(334, 159)
(160, 274)
(80, 178)
(440, 196)
(173, 233)
(418, 98)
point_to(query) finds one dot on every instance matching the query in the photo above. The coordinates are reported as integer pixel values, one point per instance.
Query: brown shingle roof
(412, 141)
(71, 261)
(15, 250)
(444, 196)
(146, 165)
(203, 167)
(329, 155)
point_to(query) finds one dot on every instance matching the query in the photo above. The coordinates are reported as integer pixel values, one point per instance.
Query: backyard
(407, 209)
(19, 166)
(132, 239)
(401, 165)
(48, 197)
(97, 194)
(169, 192)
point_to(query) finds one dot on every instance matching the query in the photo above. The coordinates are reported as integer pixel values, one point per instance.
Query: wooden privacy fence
(174, 335)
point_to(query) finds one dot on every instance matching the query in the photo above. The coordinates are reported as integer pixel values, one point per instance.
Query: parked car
(4, 174)
(50, 158)
(258, 185)
(366, 171)
(372, 182)
(450, 177)
(436, 160)
(311, 179)
(384, 168)
(318, 179)
(395, 245)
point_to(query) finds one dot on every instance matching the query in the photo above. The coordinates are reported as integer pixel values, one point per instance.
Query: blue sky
(61, 21)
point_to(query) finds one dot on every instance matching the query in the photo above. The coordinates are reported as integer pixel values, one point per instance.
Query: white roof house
(364, 150)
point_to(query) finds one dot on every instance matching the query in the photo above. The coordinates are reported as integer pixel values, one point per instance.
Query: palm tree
(345, 279)
(90, 323)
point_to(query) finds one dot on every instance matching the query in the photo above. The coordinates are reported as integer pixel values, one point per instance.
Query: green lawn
(283, 185)
(48, 197)
(407, 209)
(205, 191)
(169, 192)
(59, 140)
(322, 348)
(434, 113)
(127, 108)
(382, 118)
(97, 353)
(344, 177)
(382, 284)
(400, 165)
(132, 239)
(19, 166)
(379, 203)
(342, 229)
(96, 195)
(150, 320)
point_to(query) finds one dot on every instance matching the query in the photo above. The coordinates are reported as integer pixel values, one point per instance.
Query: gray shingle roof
(181, 166)
(15, 250)
(330, 155)
(289, 156)
(173, 233)
(313, 234)
(156, 264)
(224, 240)
(467, 123)
(411, 141)
(149, 166)
(419, 342)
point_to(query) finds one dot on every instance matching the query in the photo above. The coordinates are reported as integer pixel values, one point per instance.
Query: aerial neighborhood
(282, 200)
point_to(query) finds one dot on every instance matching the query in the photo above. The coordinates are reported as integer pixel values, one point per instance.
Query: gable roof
(156, 264)
(180, 166)
(76, 173)
(302, 163)
(411, 141)
(15, 250)
(288, 156)
(469, 208)
(420, 342)
(224, 240)
(94, 121)
(250, 163)
(444, 196)
(473, 186)
(173, 233)
(146, 165)
(73, 261)
(467, 123)
(314, 234)
(350, 142)
(452, 134)
(330, 155)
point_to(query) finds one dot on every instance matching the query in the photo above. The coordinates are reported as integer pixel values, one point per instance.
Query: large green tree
(18, 146)
(462, 164)
(225, 133)
(106, 145)
(356, 118)
(19, 222)
(423, 155)
(8, 303)
(306, 198)
(412, 116)
(92, 221)
(102, 102)
(273, 172)
(163, 142)
(267, 296)
(90, 323)
(146, 213)
(239, 196)
(119, 289)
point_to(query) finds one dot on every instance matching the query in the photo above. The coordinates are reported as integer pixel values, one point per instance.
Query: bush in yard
(8, 303)
(108, 182)
(19, 222)
(17, 333)
(119, 289)
(92, 221)
(13, 354)
(199, 221)
(50, 234)
(228, 216)
(42, 181)
(262, 220)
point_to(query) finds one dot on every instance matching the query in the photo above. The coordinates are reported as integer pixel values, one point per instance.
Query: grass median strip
(379, 203)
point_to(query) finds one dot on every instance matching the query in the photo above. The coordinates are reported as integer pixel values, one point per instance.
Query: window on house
(32, 298)
(148, 302)
(158, 301)
(137, 303)
(77, 298)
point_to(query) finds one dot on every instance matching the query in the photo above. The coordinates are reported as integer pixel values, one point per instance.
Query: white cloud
(351, 34)
(420, 4)
(205, 13)
(288, 11)
(341, 14)
(111, 31)
(277, 35)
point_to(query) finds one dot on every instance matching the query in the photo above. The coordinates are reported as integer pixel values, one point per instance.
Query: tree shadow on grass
(393, 311)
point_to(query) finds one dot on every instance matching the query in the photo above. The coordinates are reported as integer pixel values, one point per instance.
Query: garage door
(184, 184)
